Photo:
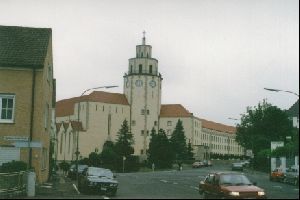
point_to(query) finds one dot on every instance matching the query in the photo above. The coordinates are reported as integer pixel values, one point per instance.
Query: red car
(231, 185)
(277, 175)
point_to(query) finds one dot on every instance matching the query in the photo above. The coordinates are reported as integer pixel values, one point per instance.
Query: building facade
(27, 88)
(102, 113)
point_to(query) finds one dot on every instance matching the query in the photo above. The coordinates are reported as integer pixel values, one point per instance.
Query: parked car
(245, 163)
(277, 175)
(292, 175)
(198, 164)
(98, 180)
(233, 185)
(72, 170)
(207, 163)
(237, 166)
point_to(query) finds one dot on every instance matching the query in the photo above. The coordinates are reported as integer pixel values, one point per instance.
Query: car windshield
(234, 179)
(100, 172)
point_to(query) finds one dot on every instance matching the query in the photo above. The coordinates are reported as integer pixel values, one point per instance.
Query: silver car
(292, 175)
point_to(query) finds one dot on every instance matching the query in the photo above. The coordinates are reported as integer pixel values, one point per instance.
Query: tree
(178, 142)
(124, 141)
(261, 125)
(108, 156)
(160, 150)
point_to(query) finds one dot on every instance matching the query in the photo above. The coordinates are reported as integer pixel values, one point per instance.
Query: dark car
(237, 166)
(72, 170)
(232, 185)
(98, 180)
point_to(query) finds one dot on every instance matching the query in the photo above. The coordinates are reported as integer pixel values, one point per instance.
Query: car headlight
(234, 193)
(261, 193)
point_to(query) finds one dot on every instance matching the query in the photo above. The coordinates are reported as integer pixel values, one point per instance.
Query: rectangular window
(169, 123)
(7, 107)
(116, 110)
(140, 69)
(103, 109)
(142, 112)
(142, 151)
(133, 123)
(142, 132)
(150, 69)
(148, 112)
(155, 123)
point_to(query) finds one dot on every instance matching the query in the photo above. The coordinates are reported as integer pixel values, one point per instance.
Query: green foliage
(261, 125)
(262, 160)
(13, 166)
(64, 166)
(109, 158)
(178, 142)
(94, 159)
(160, 150)
(123, 146)
(131, 164)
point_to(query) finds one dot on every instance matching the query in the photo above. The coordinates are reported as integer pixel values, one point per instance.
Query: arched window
(140, 69)
(130, 68)
(150, 69)
(142, 54)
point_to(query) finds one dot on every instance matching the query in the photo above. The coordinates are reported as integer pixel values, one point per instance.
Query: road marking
(105, 197)
(277, 186)
(164, 181)
(193, 187)
(297, 189)
(175, 183)
(76, 188)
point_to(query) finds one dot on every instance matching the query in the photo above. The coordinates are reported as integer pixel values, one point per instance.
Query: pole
(77, 150)
(124, 163)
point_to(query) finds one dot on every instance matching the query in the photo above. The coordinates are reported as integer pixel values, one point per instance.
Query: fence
(13, 184)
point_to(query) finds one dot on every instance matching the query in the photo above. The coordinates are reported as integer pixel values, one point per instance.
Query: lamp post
(77, 138)
(277, 90)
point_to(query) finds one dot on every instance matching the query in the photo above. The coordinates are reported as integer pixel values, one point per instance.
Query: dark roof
(23, 46)
(294, 110)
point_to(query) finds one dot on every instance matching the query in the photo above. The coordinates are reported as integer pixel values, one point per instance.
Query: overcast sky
(215, 57)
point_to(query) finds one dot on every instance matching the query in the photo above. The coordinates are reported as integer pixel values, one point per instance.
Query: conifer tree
(123, 146)
(178, 142)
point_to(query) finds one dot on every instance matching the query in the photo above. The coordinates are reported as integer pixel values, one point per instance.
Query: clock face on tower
(138, 83)
(152, 83)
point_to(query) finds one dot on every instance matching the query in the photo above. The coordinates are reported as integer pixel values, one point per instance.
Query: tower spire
(144, 38)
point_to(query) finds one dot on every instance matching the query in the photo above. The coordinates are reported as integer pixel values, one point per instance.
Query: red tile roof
(217, 126)
(174, 110)
(65, 107)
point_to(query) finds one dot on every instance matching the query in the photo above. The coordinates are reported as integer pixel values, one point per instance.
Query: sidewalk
(59, 187)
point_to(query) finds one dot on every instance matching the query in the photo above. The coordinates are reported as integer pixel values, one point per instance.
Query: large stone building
(27, 96)
(102, 113)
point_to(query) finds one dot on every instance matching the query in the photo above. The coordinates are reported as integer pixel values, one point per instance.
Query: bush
(64, 166)
(14, 166)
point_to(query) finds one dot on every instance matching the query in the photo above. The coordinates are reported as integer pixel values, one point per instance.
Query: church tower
(142, 87)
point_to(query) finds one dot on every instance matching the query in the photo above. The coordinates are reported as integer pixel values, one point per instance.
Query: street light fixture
(277, 90)
(77, 138)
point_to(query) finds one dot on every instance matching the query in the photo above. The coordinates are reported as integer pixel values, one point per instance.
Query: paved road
(168, 185)
(183, 184)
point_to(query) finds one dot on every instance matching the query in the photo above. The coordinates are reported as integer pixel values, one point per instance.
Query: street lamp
(77, 138)
(277, 90)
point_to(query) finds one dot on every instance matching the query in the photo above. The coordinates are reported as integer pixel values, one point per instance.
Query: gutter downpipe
(31, 117)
